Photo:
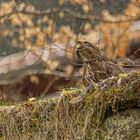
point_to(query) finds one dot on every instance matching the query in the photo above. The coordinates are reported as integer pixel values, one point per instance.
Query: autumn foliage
(48, 31)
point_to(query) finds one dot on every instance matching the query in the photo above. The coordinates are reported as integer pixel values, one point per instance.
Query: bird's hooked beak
(78, 47)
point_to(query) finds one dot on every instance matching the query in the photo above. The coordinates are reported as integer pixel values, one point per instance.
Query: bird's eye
(87, 44)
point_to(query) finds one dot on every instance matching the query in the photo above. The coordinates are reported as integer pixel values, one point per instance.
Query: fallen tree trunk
(77, 114)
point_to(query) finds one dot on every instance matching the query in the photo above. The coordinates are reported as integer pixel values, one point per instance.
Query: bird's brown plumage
(97, 65)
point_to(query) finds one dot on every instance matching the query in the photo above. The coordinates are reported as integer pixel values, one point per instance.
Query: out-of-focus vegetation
(49, 29)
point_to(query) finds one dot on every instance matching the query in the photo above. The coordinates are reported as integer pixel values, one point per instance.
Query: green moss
(61, 119)
(138, 135)
(71, 91)
(7, 103)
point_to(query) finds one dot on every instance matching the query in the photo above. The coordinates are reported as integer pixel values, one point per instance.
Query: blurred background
(37, 41)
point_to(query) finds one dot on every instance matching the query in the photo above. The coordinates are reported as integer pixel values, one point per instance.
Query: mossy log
(78, 115)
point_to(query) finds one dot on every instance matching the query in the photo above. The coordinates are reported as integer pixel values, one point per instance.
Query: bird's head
(86, 51)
